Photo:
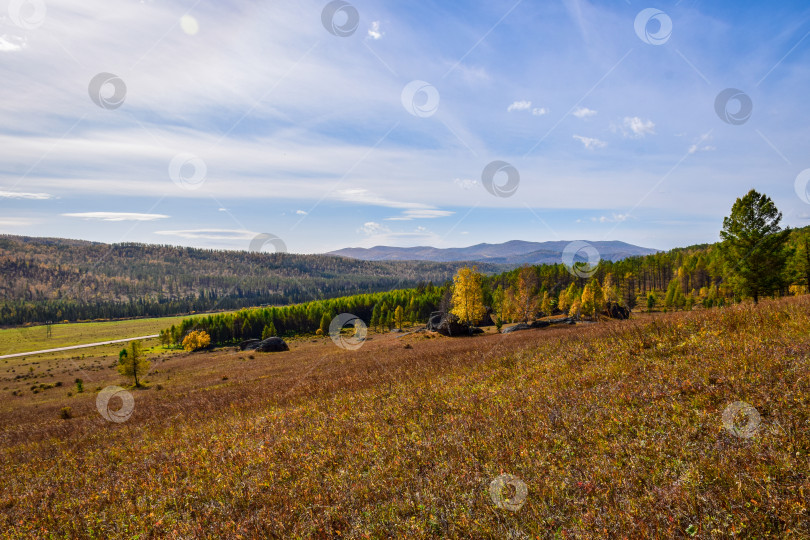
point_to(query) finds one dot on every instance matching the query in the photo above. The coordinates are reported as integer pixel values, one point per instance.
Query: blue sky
(237, 118)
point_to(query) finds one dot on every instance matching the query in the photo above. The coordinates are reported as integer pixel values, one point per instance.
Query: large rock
(448, 324)
(248, 343)
(516, 328)
(273, 344)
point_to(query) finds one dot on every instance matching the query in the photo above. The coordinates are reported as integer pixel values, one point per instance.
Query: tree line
(66, 280)
(755, 258)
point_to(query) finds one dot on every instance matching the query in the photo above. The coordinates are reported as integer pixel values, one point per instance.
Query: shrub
(66, 413)
(196, 340)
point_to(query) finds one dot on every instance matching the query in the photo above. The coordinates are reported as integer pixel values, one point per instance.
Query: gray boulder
(272, 344)
(448, 324)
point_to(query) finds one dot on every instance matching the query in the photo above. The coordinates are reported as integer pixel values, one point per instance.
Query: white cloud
(465, 183)
(519, 106)
(116, 216)
(590, 143)
(616, 218)
(15, 222)
(696, 148)
(210, 234)
(372, 228)
(301, 212)
(539, 111)
(408, 215)
(374, 32)
(19, 195)
(634, 126)
(584, 112)
(12, 43)
(700, 147)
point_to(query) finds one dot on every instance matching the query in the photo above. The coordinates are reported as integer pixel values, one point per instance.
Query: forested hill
(47, 279)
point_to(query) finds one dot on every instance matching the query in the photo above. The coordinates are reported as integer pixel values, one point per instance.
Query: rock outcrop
(272, 344)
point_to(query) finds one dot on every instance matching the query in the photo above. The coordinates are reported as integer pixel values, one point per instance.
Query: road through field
(84, 346)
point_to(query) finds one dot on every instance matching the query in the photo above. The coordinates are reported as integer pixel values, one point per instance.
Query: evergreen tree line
(707, 275)
(66, 280)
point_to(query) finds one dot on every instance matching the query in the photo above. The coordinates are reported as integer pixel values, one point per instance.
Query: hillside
(615, 430)
(514, 252)
(53, 279)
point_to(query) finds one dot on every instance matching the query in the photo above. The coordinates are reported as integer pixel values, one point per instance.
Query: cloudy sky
(401, 123)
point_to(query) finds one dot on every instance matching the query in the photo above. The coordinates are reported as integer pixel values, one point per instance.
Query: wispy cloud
(374, 32)
(116, 216)
(590, 143)
(465, 183)
(371, 228)
(519, 106)
(210, 234)
(425, 213)
(539, 111)
(615, 218)
(584, 112)
(633, 126)
(20, 195)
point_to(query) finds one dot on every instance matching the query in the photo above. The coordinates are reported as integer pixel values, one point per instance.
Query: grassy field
(613, 430)
(35, 338)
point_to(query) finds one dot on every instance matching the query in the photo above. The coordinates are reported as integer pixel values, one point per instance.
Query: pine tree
(133, 363)
(753, 246)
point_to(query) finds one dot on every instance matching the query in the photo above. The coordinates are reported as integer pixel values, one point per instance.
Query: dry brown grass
(616, 430)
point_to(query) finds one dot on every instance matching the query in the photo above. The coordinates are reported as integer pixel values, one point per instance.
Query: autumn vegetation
(616, 430)
(690, 420)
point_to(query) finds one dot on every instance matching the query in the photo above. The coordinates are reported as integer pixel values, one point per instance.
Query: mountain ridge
(510, 252)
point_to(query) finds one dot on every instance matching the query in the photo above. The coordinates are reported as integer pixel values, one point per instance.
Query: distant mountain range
(514, 252)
